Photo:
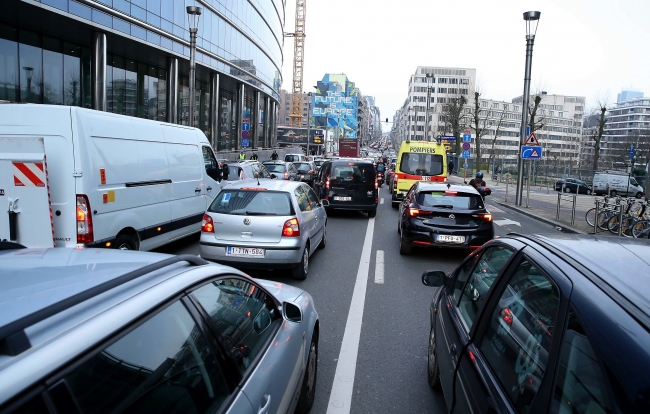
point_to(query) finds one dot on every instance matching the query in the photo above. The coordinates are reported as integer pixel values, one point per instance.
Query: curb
(564, 228)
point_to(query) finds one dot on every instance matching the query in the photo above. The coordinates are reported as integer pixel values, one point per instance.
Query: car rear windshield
(252, 202)
(319, 162)
(351, 172)
(303, 167)
(421, 164)
(291, 158)
(461, 201)
(275, 168)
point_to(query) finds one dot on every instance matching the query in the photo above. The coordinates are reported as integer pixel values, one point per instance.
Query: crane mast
(298, 60)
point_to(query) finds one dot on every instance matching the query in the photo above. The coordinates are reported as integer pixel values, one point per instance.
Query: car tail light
(453, 193)
(485, 216)
(394, 183)
(376, 184)
(291, 228)
(286, 175)
(507, 315)
(327, 183)
(414, 212)
(84, 220)
(207, 225)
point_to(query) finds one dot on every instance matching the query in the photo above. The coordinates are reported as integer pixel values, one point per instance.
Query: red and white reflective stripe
(49, 201)
(29, 174)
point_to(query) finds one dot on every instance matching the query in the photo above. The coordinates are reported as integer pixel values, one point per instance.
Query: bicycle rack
(572, 199)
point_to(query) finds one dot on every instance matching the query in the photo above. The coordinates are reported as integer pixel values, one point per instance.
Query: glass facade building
(132, 57)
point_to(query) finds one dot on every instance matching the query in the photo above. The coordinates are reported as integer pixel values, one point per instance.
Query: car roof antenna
(448, 186)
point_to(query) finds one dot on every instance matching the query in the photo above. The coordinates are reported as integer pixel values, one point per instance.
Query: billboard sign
(297, 136)
(335, 103)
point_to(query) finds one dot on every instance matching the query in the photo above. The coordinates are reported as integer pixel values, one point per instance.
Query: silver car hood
(281, 291)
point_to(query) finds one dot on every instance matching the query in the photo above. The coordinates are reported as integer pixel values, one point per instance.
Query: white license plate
(450, 239)
(337, 198)
(425, 178)
(244, 251)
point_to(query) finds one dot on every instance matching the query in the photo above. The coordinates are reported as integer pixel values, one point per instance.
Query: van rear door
(25, 209)
(353, 183)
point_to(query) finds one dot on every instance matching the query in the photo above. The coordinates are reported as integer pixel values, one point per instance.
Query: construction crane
(298, 60)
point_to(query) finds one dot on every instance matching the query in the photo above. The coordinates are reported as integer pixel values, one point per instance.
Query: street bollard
(596, 219)
(573, 212)
(620, 220)
(507, 182)
(557, 208)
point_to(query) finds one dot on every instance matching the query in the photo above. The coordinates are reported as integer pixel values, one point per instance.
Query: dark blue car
(544, 324)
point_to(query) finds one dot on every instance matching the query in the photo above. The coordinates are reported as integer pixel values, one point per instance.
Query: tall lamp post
(193, 14)
(308, 122)
(426, 118)
(532, 20)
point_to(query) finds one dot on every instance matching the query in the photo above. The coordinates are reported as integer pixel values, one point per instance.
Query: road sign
(531, 152)
(245, 142)
(465, 154)
(532, 140)
(527, 130)
(246, 121)
(466, 145)
(446, 138)
(632, 151)
(465, 165)
(245, 126)
(467, 137)
(467, 131)
(245, 134)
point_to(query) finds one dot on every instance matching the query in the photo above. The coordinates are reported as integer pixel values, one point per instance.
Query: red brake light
(327, 183)
(449, 192)
(507, 315)
(376, 184)
(286, 175)
(486, 216)
(84, 220)
(291, 228)
(413, 212)
(207, 225)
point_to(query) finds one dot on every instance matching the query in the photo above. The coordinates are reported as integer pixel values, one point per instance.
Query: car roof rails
(9, 245)
(13, 339)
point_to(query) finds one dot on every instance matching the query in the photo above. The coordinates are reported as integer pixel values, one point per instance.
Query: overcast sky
(590, 48)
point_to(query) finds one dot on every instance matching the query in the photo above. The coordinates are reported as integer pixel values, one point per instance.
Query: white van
(616, 183)
(294, 157)
(114, 180)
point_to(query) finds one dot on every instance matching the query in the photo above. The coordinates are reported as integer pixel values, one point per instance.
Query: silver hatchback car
(265, 224)
(109, 331)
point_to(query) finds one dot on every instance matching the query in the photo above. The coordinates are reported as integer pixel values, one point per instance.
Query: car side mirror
(434, 278)
(325, 203)
(484, 191)
(291, 312)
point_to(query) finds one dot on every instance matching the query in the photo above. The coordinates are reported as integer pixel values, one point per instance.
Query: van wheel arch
(127, 239)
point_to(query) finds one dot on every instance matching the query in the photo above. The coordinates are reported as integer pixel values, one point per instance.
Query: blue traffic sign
(447, 138)
(531, 152)
(245, 142)
(527, 130)
(465, 154)
(632, 149)
(466, 145)
(465, 165)
(467, 137)
(245, 126)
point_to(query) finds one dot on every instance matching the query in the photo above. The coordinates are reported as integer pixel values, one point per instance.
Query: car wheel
(567, 190)
(125, 242)
(372, 213)
(308, 389)
(323, 241)
(588, 192)
(300, 272)
(404, 247)
(433, 371)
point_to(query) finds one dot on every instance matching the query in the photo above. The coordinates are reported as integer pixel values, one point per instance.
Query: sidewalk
(541, 205)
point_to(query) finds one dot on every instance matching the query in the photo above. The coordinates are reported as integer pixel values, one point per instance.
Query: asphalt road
(390, 374)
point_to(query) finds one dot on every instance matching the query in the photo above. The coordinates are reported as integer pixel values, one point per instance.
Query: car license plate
(244, 251)
(450, 239)
(426, 178)
(337, 198)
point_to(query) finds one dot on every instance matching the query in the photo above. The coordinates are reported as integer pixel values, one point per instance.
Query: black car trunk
(352, 183)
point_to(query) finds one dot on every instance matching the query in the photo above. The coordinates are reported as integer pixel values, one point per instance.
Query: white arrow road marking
(505, 222)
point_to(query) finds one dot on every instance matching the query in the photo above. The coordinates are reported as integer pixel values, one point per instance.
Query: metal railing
(566, 197)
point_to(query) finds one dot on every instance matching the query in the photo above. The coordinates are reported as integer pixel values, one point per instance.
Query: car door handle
(198, 190)
(209, 188)
(266, 404)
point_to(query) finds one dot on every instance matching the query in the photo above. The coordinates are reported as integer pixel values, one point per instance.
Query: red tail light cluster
(207, 225)
(414, 212)
(507, 315)
(327, 183)
(291, 228)
(84, 220)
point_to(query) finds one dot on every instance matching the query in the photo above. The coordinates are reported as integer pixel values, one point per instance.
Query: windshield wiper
(443, 206)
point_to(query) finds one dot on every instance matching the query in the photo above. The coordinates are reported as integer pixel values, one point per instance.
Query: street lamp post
(308, 122)
(532, 20)
(426, 118)
(193, 14)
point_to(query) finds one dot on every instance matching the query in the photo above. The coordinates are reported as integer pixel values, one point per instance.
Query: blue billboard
(335, 105)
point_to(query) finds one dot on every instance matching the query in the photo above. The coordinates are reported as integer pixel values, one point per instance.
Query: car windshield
(303, 167)
(291, 158)
(319, 162)
(442, 199)
(275, 168)
(421, 164)
(357, 173)
(252, 202)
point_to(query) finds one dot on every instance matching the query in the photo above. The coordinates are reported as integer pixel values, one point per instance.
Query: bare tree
(497, 132)
(478, 124)
(453, 117)
(602, 107)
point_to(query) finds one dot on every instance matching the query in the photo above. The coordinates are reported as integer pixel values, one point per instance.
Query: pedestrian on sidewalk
(450, 167)
(274, 155)
(254, 157)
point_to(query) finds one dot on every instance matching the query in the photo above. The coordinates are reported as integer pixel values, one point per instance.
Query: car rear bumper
(426, 237)
(275, 257)
(347, 206)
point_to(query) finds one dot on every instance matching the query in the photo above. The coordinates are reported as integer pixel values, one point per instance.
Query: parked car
(283, 169)
(270, 225)
(245, 170)
(443, 215)
(538, 324)
(617, 183)
(113, 180)
(348, 184)
(572, 185)
(97, 330)
(306, 171)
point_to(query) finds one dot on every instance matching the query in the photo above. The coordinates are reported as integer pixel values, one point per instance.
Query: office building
(132, 57)
(628, 124)
(627, 94)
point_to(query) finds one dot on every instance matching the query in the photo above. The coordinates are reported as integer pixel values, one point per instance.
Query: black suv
(443, 215)
(348, 184)
(544, 324)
